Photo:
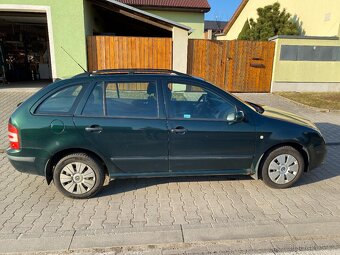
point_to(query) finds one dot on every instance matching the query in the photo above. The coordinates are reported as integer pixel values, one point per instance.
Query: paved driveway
(170, 209)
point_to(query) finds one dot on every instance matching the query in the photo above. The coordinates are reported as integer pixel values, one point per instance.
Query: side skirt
(178, 174)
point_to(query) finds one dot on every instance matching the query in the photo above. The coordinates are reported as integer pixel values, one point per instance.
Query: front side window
(194, 102)
(60, 102)
(131, 99)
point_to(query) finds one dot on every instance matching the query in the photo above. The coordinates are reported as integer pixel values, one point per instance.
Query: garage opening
(24, 48)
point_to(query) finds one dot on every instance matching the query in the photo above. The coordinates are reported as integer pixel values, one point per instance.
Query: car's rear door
(202, 137)
(124, 120)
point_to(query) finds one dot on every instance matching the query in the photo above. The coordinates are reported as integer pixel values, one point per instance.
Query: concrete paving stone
(30, 235)
(5, 236)
(140, 223)
(124, 224)
(337, 240)
(321, 229)
(197, 250)
(21, 229)
(261, 244)
(127, 230)
(283, 244)
(35, 244)
(234, 232)
(155, 252)
(83, 226)
(50, 228)
(316, 219)
(199, 226)
(109, 223)
(121, 239)
(233, 246)
(305, 244)
(241, 223)
(57, 234)
(174, 252)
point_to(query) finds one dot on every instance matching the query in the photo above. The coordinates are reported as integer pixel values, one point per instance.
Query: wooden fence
(235, 66)
(108, 52)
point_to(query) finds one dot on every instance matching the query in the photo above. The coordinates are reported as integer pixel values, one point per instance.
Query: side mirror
(238, 116)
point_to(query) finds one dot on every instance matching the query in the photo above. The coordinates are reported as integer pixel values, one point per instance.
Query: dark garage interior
(24, 47)
(111, 20)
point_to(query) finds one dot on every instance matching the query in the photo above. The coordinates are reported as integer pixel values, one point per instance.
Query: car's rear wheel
(282, 167)
(78, 176)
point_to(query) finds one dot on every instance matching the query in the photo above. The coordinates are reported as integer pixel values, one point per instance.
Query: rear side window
(123, 99)
(60, 102)
(136, 99)
(94, 105)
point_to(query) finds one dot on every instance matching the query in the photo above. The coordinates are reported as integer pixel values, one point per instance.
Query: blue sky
(222, 9)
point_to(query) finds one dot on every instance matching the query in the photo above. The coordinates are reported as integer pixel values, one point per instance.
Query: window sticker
(187, 116)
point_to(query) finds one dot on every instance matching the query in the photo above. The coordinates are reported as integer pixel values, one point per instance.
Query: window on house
(309, 53)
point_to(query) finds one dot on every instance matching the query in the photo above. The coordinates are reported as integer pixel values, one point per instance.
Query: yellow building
(316, 17)
(310, 62)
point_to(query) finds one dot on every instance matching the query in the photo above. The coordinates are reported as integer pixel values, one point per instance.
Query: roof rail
(137, 71)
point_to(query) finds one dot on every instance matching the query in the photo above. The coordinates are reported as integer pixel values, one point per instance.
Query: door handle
(94, 129)
(179, 130)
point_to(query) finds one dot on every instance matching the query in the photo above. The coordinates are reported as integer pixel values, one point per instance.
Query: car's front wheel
(78, 176)
(282, 167)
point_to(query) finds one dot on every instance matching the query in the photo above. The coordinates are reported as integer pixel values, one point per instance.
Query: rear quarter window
(61, 102)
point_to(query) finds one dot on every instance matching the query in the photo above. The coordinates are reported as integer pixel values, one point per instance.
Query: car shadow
(125, 185)
(330, 132)
(329, 169)
(331, 165)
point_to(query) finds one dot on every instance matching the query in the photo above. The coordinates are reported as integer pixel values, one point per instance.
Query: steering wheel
(203, 98)
(201, 105)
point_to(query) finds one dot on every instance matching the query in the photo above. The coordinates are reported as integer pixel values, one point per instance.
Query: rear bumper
(23, 161)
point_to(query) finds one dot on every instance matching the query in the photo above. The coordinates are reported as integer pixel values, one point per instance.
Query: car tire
(78, 176)
(282, 167)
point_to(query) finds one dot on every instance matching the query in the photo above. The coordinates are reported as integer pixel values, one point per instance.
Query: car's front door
(123, 120)
(204, 134)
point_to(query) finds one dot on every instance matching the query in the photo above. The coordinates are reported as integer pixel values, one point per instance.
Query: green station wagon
(155, 123)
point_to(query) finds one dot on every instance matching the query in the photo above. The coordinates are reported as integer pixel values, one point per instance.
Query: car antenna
(73, 59)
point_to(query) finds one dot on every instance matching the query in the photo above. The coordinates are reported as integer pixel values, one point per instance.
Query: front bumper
(317, 156)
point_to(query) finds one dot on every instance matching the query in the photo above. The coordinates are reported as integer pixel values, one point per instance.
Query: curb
(235, 247)
(307, 106)
(247, 236)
